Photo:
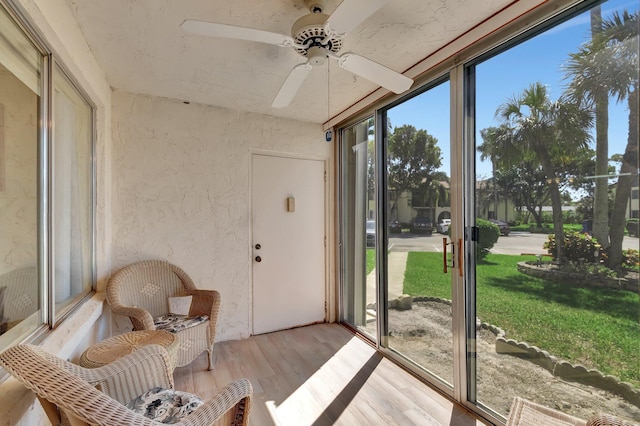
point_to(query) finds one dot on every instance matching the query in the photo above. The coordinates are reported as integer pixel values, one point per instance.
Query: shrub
(631, 258)
(591, 269)
(488, 234)
(571, 216)
(576, 246)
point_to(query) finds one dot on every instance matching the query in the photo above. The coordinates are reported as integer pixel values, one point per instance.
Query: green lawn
(371, 259)
(598, 328)
(548, 226)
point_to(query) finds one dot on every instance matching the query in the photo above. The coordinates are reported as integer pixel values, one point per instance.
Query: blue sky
(508, 74)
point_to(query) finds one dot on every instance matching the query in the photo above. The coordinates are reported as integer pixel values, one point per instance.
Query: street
(515, 243)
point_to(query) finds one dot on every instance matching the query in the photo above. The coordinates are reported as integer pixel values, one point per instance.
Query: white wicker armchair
(141, 290)
(70, 394)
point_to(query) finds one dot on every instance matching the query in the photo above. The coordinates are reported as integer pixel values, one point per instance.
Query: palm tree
(621, 35)
(588, 71)
(537, 129)
(490, 149)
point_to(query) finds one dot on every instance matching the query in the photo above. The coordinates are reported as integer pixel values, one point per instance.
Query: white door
(288, 222)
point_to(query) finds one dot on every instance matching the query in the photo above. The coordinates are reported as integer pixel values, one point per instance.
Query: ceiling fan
(316, 36)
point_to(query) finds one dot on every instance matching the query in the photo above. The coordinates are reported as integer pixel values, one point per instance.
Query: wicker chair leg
(210, 359)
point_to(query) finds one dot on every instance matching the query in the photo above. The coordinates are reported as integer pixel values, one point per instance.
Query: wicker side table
(111, 349)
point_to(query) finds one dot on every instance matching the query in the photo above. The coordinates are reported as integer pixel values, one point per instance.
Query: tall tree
(546, 131)
(588, 71)
(525, 184)
(435, 192)
(489, 149)
(414, 158)
(621, 35)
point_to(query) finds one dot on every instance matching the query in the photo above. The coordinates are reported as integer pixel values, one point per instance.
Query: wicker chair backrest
(149, 284)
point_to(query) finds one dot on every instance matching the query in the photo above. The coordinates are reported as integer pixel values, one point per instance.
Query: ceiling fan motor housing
(308, 31)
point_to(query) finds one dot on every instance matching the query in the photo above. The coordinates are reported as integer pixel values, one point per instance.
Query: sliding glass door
(502, 202)
(359, 236)
(556, 271)
(416, 149)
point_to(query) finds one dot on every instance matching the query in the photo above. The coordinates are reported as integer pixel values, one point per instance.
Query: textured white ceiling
(141, 48)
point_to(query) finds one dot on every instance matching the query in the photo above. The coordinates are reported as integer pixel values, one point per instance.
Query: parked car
(504, 226)
(443, 226)
(395, 227)
(421, 224)
(371, 233)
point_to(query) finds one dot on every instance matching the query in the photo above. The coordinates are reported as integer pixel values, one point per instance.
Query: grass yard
(371, 259)
(598, 328)
(548, 227)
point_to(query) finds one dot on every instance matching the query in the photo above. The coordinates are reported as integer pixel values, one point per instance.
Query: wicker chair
(602, 419)
(141, 290)
(74, 395)
(527, 413)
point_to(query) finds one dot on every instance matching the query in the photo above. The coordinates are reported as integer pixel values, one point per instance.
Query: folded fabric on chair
(175, 322)
(165, 405)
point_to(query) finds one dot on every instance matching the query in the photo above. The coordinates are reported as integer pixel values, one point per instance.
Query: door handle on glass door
(460, 256)
(444, 255)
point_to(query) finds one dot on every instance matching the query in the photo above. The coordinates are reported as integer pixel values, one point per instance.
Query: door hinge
(325, 175)
(325, 240)
(326, 308)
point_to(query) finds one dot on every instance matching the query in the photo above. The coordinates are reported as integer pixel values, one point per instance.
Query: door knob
(258, 246)
(258, 259)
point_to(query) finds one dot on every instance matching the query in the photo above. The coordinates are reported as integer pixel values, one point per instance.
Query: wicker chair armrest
(64, 389)
(205, 302)
(130, 376)
(238, 392)
(140, 318)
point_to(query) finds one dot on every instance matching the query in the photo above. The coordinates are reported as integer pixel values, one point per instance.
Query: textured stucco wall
(181, 190)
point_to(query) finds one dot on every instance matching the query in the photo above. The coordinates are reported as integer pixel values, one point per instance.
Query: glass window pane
(419, 214)
(20, 70)
(556, 287)
(73, 193)
(359, 227)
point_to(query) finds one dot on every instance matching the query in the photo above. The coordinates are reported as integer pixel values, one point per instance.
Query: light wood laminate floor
(321, 375)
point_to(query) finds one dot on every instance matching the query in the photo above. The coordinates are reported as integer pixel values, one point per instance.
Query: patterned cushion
(175, 322)
(165, 405)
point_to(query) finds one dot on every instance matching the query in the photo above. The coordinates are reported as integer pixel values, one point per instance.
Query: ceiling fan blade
(291, 85)
(212, 29)
(350, 14)
(373, 71)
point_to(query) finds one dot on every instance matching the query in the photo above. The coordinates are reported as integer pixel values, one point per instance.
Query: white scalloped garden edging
(557, 367)
(561, 368)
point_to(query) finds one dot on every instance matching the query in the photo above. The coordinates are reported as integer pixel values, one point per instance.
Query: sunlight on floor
(316, 396)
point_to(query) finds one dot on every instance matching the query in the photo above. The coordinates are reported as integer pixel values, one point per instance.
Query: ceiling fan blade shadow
(374, 72)
(291, 85)
(351, 13)
(212, 29)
